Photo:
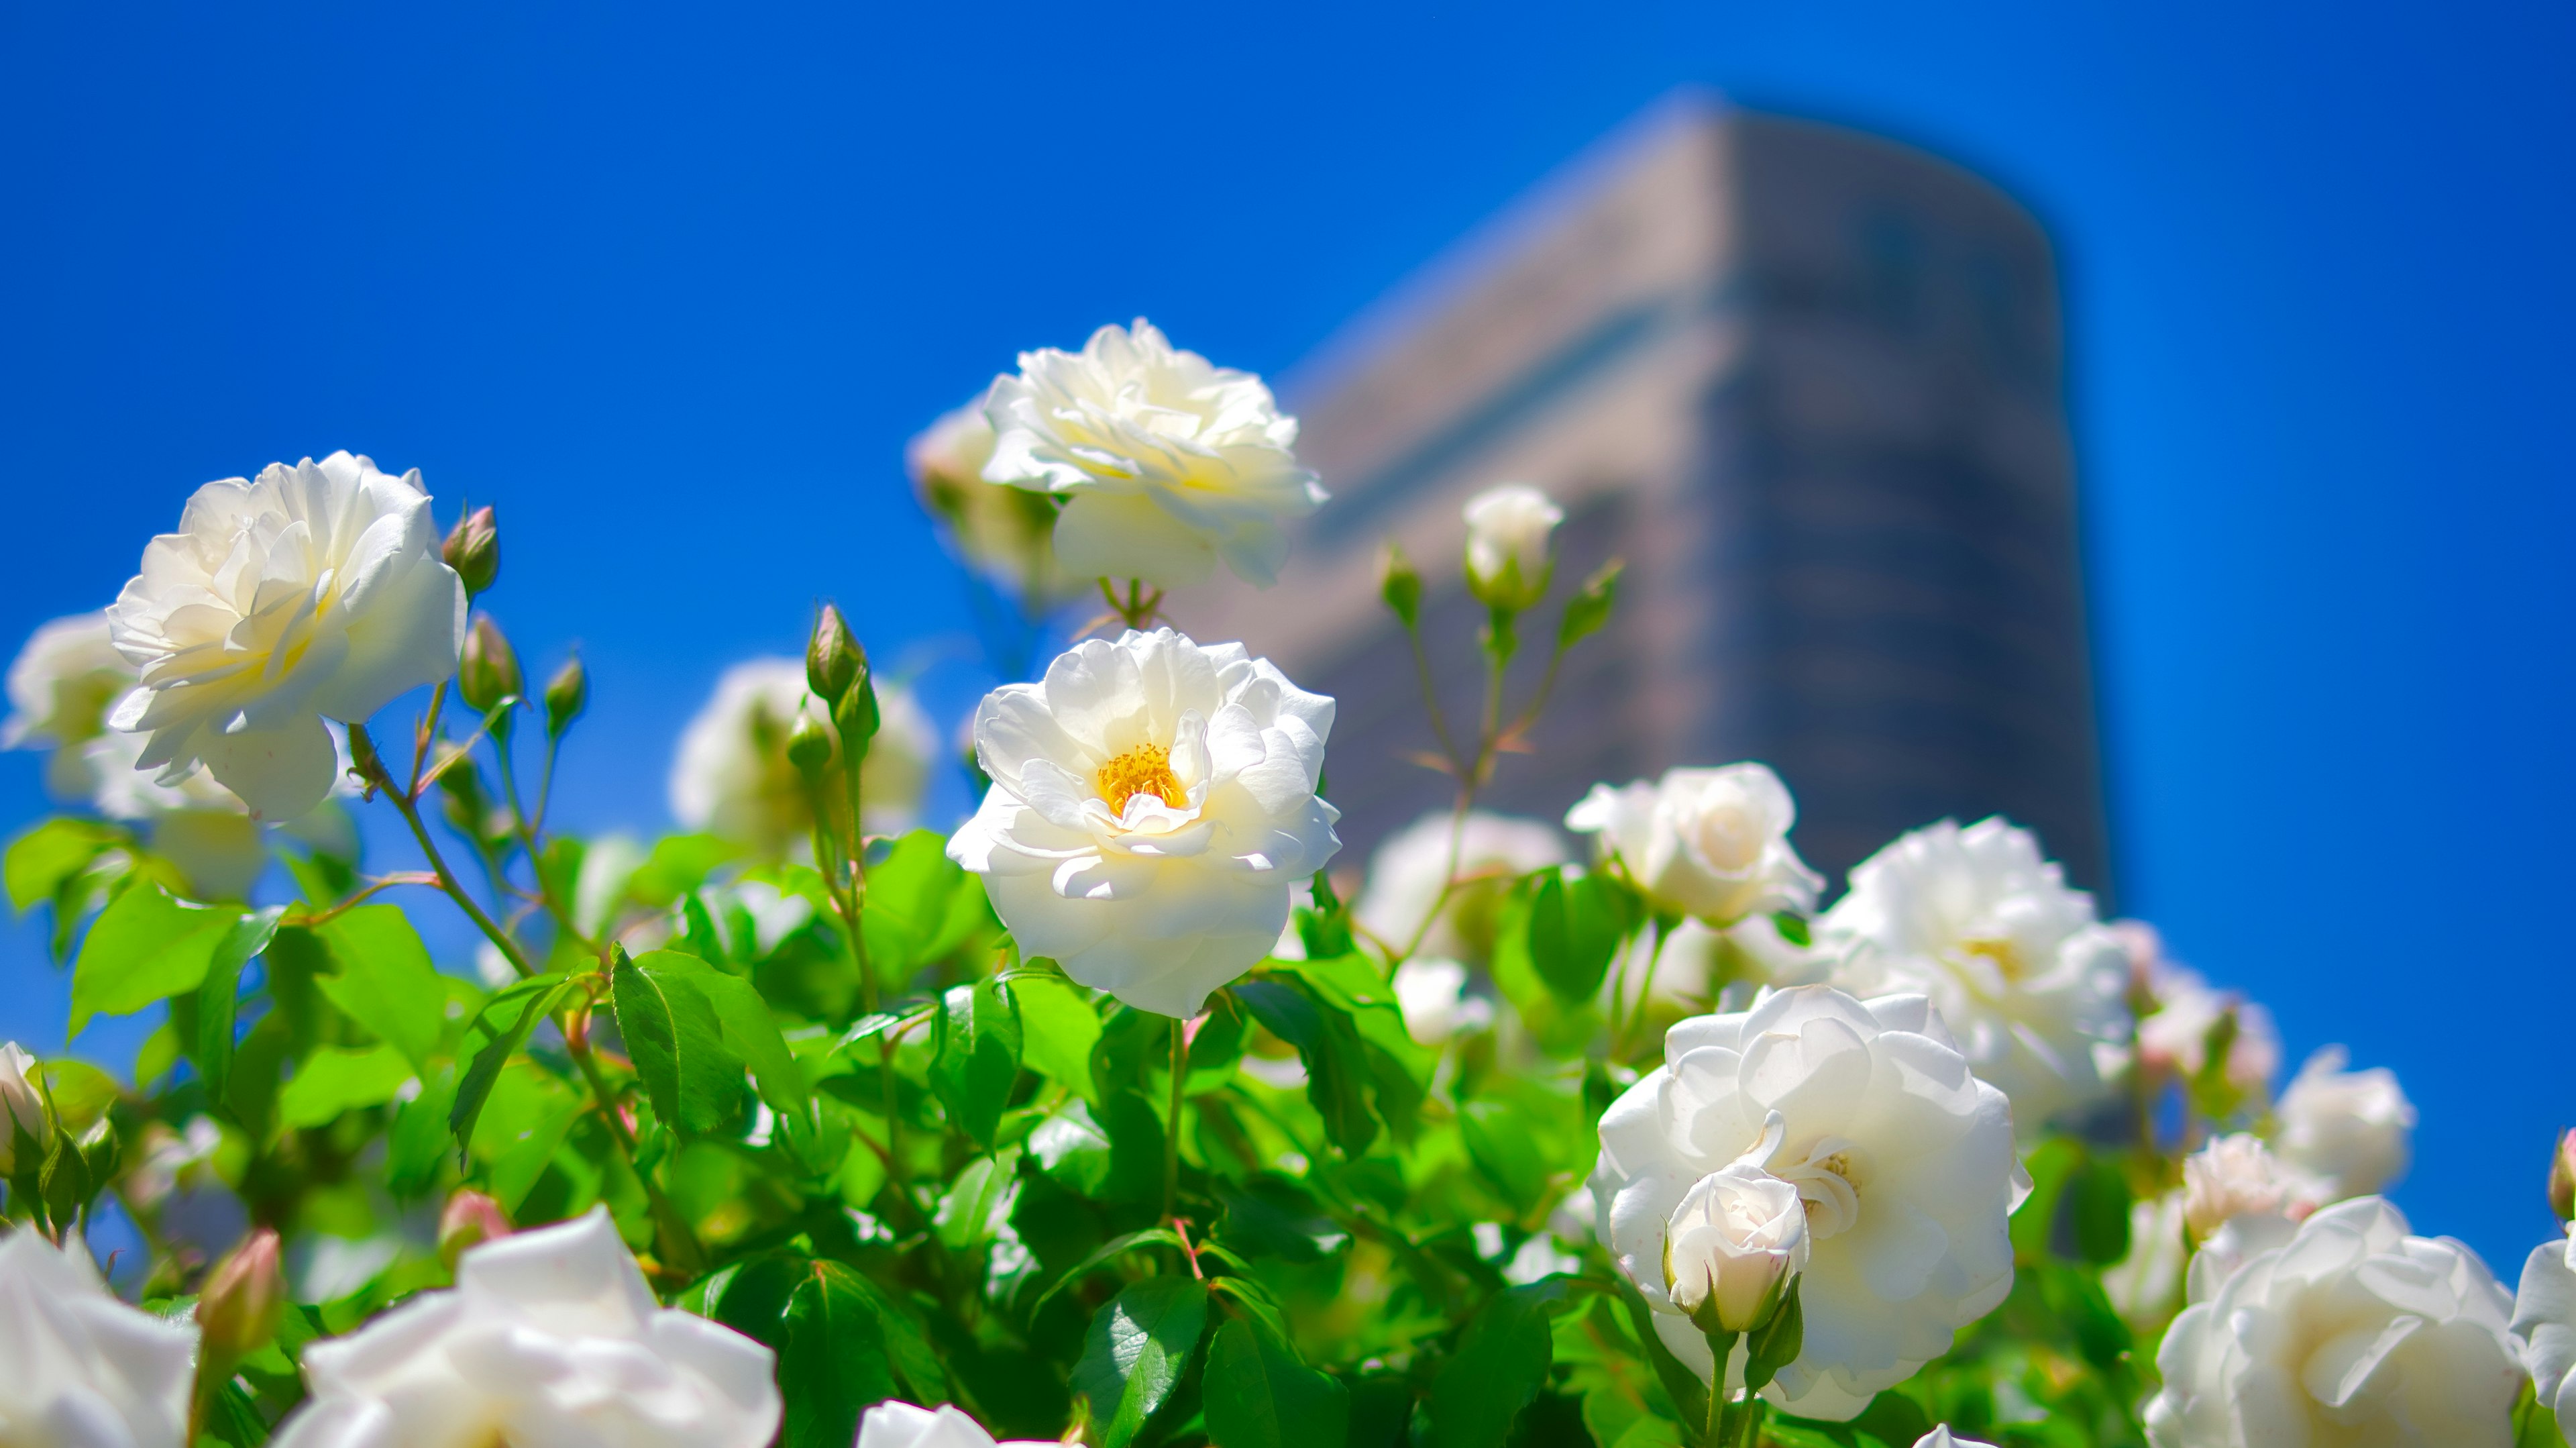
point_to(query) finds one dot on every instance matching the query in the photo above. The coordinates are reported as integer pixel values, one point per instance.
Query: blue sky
(672, 287)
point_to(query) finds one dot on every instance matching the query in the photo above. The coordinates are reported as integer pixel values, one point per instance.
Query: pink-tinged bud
(469, 1220)
(2562, 1177)
(239, 1307)
(473, 549)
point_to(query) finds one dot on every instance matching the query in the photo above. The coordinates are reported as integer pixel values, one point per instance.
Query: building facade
(1808, 385)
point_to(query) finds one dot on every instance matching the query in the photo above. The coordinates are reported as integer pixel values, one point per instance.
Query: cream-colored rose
(1738, 1236)
(1710, 843)
(1153, 803)
(2544, 1320)
(315, 592)
(2146, 1285)
(2175, 1036)
(901, 1425)
(2236, 1176)
(1903, 1159)
(60, 689)
(79, 1368)
(1509, 527)
(2347, 1129)
(2353, 1334)
(731, 776)
(549, 1337)
(1004, 533)
(1432, 993)
(1166, 464)
(1941, 1437)
(2015, 962)
(1408, 873)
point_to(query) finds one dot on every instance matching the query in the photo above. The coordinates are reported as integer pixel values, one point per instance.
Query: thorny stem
(374, 887)
(404, 802)
(1431, 695)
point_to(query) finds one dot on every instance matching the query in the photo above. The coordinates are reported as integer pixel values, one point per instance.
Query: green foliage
(1139, 1344)
(1260, 1396)
(148, 946)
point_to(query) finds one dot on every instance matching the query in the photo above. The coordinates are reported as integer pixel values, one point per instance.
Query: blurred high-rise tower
(1808, 384)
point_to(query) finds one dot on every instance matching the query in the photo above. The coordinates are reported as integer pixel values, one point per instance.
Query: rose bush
(1127, 1112)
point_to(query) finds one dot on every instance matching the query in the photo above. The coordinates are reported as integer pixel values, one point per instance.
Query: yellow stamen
(1145, 769)
(2001, 952)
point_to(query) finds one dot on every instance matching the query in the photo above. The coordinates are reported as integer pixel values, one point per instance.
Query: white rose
(1165, 463)
(2236, 1176)
(1738, 1234)
(731, 776)
(901, 1425)
(1003, 533)
(22, 1108)
(2146, 1284)
(1903, 1157)
(1153, 802)
(1941, 1437)
(549, 1336)
(1508, 528)
(2544, 1318)
(316, 592)
(60, 688)
(83, 1368)
(2175, 1036)
(2353, 1333)
(2348, 1129)
(1408, 872)
(2013, 960)
(1432, 993)
(1710, 843)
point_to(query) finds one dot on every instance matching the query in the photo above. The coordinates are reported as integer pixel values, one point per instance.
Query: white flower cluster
(732, 777)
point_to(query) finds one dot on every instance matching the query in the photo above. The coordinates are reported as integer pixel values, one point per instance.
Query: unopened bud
(490, 670)
(473, 549)
(809, 746)
(567, 694)
(833, 659)
(469, 1220)
(23, 1121)
(2562, 1177)
(238, 1310)
(1510, 552)
(1400, 585)
(364, 762)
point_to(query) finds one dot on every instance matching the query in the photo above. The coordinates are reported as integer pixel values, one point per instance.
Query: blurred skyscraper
(1808, 384)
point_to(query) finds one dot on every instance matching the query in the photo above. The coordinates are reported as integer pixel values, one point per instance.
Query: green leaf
(1058, 1028)
(1656, 1433)
(1337, 1076)
(1566, 931)
(146, 946)
(678, 1047)
(976, 1056)
(1258, 1395)
(1139, 1345)
(752, 1033)
(832, 1363)
(677, 865)
(1106, 1253)
(1071, 1148)
(219, 998)
(1506, 1151)
(913, 917)
(385, 980)
(418, 1138)
(333, 1080)
(40, 860)
(2050, 1164)
(1683, 1386)
(1273, 1216)
(521, 1006)
(1501, 1361)
(978, 1203)
(1590, 607)
(2097, 1211)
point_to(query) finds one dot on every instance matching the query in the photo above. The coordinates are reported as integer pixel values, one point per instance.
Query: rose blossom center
(1728, 836)
(2005, 955)
(1829, 1182)
(1145, 769)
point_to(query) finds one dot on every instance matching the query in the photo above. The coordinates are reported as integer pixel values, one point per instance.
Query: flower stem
(409, 807)
(1172, 1131)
